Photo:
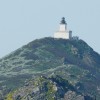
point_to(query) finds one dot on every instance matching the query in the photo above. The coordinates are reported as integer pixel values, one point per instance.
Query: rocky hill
(51, 69)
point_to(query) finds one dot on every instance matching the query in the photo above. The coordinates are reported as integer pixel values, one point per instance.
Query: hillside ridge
(73, 60)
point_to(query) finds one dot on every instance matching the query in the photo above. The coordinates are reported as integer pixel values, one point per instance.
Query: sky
(22, 21)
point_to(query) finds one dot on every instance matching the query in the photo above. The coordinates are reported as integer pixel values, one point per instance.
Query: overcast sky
(22, 21)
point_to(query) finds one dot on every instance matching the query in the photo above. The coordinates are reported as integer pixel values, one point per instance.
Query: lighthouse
(63, 32)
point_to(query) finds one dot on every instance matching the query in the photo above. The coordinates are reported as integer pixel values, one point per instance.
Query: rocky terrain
(51, 69)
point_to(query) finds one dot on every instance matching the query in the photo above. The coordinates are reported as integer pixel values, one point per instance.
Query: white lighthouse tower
(63, 31)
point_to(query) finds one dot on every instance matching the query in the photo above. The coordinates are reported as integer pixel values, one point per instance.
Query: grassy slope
(71, 59)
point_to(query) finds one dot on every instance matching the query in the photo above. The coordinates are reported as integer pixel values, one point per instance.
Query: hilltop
(72, 62)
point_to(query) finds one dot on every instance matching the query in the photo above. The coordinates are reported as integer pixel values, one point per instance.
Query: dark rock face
(43, 88)
(71, 60)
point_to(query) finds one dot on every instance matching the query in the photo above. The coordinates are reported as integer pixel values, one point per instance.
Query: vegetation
(74, 61)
